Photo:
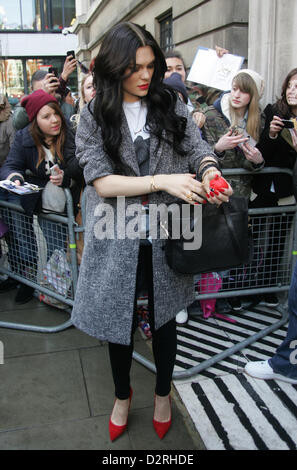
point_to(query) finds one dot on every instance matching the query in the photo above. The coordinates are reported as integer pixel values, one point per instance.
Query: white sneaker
(182, 317)
(262, 370)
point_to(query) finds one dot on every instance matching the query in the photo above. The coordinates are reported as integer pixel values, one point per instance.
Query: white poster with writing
(213, 71)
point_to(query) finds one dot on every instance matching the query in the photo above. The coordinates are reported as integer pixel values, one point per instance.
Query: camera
(288, 124)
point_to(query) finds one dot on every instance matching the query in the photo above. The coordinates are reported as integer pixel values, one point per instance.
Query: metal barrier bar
(220, 356)
(72, 229)
(233, 293)
(58, 221)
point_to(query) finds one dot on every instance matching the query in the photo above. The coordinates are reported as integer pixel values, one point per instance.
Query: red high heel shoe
(116, 431)
(162, 428)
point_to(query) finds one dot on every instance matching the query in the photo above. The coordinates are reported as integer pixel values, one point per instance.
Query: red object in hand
(218, 183)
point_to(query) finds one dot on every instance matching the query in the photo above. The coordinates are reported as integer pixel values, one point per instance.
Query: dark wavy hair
(282, 105)
(117, 53)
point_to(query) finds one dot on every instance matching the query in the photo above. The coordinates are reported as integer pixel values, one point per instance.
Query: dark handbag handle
(230, 225)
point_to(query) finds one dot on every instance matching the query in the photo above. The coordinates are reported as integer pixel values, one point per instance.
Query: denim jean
(284, 361)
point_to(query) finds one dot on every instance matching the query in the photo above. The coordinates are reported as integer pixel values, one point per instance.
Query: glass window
(10, 14)
(69, 12)
(57, 15)
(31, 14)
(37, 24)
(15, 84)
(166, 33)
(19, 15)
(28, 12)
(11, 78)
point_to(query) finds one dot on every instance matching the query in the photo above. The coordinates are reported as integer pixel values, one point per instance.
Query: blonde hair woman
(87, 93)
(233, 125)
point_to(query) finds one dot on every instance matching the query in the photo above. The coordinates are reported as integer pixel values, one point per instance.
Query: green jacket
(20, 118)
(216, 125)
(202, 96)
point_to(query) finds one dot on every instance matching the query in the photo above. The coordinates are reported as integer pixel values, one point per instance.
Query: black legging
(164, 339)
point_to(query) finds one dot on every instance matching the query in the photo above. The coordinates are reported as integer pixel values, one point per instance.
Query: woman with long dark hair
(45, 142)
(139, 148)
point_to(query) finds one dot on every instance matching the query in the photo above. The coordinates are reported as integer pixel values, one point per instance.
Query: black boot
(25, 293)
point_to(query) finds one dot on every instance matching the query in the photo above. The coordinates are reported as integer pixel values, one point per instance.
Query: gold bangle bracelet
(206, 162)
(210, 170)
(154, 188)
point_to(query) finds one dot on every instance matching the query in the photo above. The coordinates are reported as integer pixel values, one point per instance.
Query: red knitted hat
(34, 102)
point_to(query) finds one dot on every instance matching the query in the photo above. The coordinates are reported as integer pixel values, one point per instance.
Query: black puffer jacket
(277, 152)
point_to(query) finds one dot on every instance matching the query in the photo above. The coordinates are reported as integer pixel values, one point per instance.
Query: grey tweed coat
(105, 292)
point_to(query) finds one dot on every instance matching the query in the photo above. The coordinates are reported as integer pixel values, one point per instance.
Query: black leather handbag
(226, 240)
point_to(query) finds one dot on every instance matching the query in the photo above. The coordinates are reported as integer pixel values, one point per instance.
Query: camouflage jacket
(202, 96)
(216, 125)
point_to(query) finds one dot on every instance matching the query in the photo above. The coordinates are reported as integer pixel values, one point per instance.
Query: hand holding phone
(57, 175)
(69, 65)
(276, 125)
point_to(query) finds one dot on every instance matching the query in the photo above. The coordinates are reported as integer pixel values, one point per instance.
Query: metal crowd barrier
(271, 276)
(280, 223)
(52, 274)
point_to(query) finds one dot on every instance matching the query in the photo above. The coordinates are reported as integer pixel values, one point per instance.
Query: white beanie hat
(259, 81)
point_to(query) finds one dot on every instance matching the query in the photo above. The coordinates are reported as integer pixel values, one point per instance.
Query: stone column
(272, 42)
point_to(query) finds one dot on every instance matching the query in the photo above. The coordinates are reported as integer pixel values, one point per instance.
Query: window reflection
(12, 81)
(26, 14)
(69, 12)
(57, 15)
(11, 78)
(10, 14)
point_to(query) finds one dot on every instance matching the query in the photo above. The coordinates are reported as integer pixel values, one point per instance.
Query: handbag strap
(231, 227)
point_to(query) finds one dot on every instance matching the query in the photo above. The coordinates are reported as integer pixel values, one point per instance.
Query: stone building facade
(262, 31)
(183, 24)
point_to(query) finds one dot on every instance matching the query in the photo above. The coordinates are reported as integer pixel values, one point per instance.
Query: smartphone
(53, 169)
(70, 53)
(251, 141)
(53, 70)
(288, 124)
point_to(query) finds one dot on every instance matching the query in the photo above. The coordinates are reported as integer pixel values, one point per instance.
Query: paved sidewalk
(56, 390)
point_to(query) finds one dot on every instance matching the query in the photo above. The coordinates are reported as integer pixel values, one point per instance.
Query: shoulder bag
(226, 240)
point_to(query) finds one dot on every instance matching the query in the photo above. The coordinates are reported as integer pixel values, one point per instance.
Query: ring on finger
(189, 196)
